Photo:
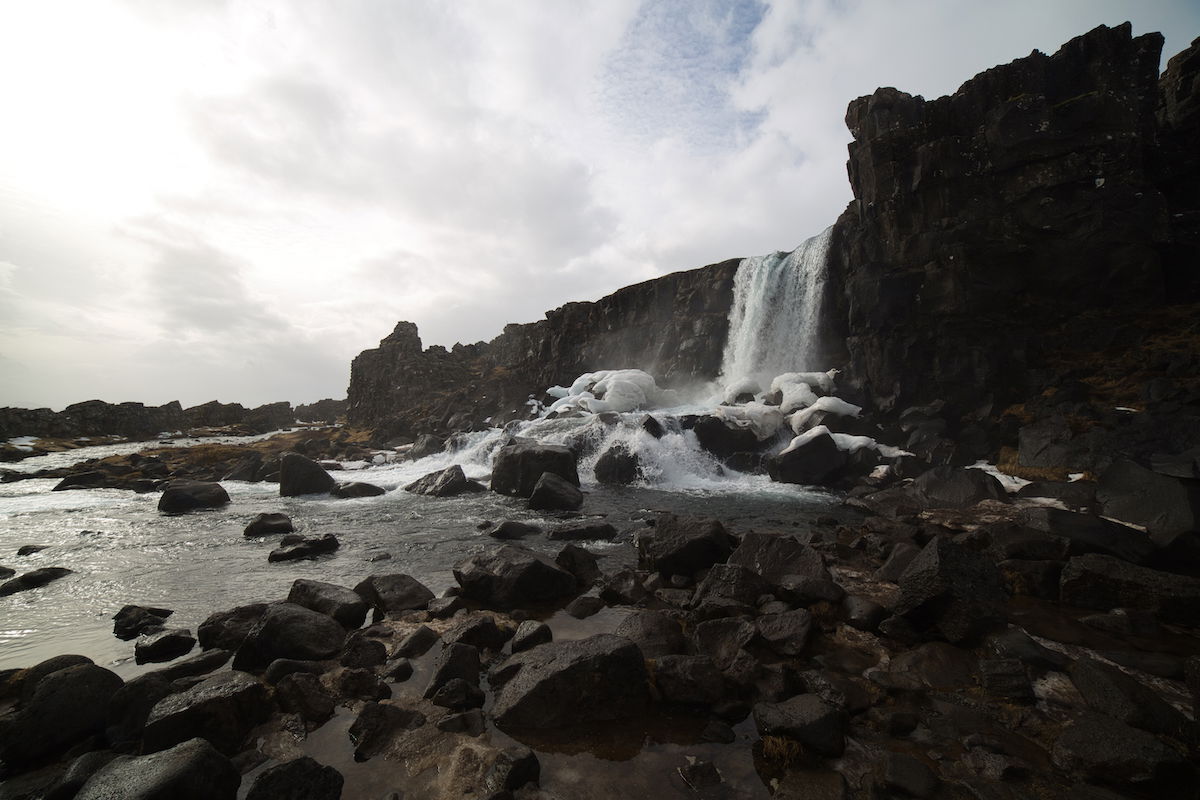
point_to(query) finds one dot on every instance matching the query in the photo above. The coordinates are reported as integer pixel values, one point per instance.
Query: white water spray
(774, 324)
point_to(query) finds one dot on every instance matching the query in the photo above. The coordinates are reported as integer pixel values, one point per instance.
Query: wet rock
(652, 426)
(934, 665)
(580, 563)
(417, 643)
(622, 588)
(806, 718)
(722, 438)
(305, 547)
(513, 577)
(1007, 678)
(897, 561)
(78, 773)
(952, 591)
(445, 607)
(246, 469)
(227, 630)
(723, 639)
(787, 633)
(286, 630)
(1124, 622)
(584, 607)
(221, 709)
(455, 661)
(618, 465)
(554, 493)
(30, 549)
(130, 705)
(301, 778)
(582, 531)
(426, 445)
(34, 579)
(163, 646)
(481, 632)
(62, 707)
(530, 634)
(471, 723)
(1100, 748)
(908, 775)
(132, 621)
(688, 680)
(681, 545)
(1159, 503)
(1089, 534)
(655, 633)
(377, 723)
(447, 482)
(862, 613)
(184, 495)
(511, 529)
(398, 670)
(731, 582)
(6, 573)
(362, 652)
(344, 605)
(1108, 690)
(513, 768)
(518, 467)
(956, 487)
(268, 524)
(349, 491)
(774, 556)
(1075, 495)
(191, 770)
(201, 664)
(812, 463)
(391, 595)
(1103, 582)
(300, 475)
(361, 684)
(457, 694)
(802, 591)
(1031, 578)
(303, 693)
(599, 678)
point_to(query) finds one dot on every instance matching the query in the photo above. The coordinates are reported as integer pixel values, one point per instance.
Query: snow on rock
(740, 387)
(830, 405)
(761, 418)
(847, 442)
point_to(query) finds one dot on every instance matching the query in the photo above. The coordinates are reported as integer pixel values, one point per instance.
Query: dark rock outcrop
(300, 475)
(191, 770)
(185, 495)
(286, 630)
(518, 467)
(513, 576)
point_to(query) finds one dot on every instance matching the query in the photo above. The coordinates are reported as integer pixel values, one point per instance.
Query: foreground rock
(184, 495)
(306, 547)
(267, 524)
(553, 493)
(191, 770)
(221, 709)
(344, 605)
(391, 595)
(512, 577)
(349, 491)
(1103, 582)
(163, 646)
(518, 467)
(681, 545)
(286, 630)
(301, 778)
(952, 591)
(132, 621)
(33, 580)
(300, 475)
(448, 482)
(64, 705)
(571, 683)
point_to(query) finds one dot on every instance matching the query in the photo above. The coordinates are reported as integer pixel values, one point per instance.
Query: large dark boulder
(446, 482)
(63, 707)
(306, 547)
(267, 524)
(34, 579)
(1101, 749)
(956, 487)
(1160, 503)
(456, 662)
(185, 495)
(561, 684)
(227, 630)
(775, 555)
(811, 462)
(655, 633)
(349, 491)
(512, 577)
(393, 594)
(553, 493)
(286, 630)
(132, 621)
(723, 438)
(808, 719)
(1108, 690)
(191, 770)
(689, 680)
(518, 467)
(618, 465)
(681, 545)
(299, 779)
(1089, 534)
(1103, 582)
(221, 709)
(344, 605)
(163, 646)
(299, 475)
(951, 591)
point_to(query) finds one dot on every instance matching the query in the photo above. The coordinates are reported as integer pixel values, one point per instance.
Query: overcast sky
(210, 199)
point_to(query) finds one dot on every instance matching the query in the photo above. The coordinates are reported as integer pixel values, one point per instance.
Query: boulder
(530, 634)
(723, 438)
(1100, 748)
(723, 639)
(511, 529)
(553, 493)
(349, 491)
(356, 683)
(63, 707)
(191, 770)
(580, 563)
(618, 465)
(731, 582)
(812, 462)
(301, 778)
(426, 445)
(361, 652)
(300, 475)
(221, 709)
(688, 680)
(814, 723)
(1103, 582)
(34, 579)
(681, 545)
(416, 643)
(227, 630)
(513, 577)
(1089, 534)
(952, 591)
(306, 547)
(163, 646)
(377, 723)
(480, 632)
(447, 482)
(185, 495)
(955, 487)
(344, 605)
(286, 630)
(652, 426)
(1160, 503)
(655, 633)
(559, 684)
(1108, 690)
(518, 467)
(245, 469)
(787, 633)
(582, 532)
(774, 556)
(132, 621)
(392, 594)
(267, 524)
(454, 662)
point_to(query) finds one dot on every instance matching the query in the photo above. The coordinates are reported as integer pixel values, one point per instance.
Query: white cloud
(233, 198)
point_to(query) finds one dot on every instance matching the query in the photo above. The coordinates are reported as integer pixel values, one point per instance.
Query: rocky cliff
(137, 421)
(673, 327)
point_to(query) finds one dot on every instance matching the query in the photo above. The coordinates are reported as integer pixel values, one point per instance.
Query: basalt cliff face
(673, 327)
(1050, 204)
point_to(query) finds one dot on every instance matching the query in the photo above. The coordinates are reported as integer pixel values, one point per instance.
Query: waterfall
(774, 325)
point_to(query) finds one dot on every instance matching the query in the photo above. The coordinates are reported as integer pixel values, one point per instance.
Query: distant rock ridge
(137, 421)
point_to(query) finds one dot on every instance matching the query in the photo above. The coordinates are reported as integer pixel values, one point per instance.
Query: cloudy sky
(216, 199)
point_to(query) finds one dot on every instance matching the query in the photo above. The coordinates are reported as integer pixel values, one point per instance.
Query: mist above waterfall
(775, 321)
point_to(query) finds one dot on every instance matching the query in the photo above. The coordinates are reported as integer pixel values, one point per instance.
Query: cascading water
(774, 325)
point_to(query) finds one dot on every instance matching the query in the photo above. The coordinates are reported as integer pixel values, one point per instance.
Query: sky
(217, 199)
